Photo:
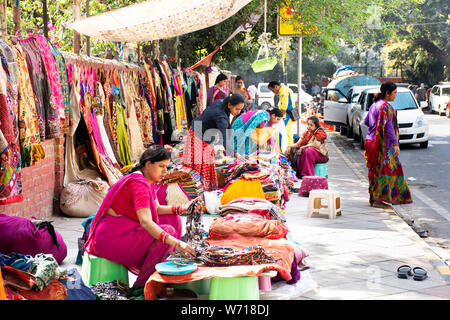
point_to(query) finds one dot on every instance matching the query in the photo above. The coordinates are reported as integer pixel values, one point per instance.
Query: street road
(428, 176)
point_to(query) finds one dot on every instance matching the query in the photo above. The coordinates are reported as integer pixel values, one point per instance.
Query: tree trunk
(3, 25)
(45, 18)
(88, 39)
(76, 35)
(439, 54)
(16, 17)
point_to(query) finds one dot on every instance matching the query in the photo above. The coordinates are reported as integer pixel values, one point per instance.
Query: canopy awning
(157, 19)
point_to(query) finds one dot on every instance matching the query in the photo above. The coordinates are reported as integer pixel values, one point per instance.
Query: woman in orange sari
(312, 148)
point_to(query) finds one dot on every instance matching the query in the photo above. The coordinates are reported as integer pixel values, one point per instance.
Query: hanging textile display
(10, 162)
(29, 137)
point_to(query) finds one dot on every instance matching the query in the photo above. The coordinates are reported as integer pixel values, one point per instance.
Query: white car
(353, 96)
(266, 97)
(413, 126)
(339, 99)
(439, 98)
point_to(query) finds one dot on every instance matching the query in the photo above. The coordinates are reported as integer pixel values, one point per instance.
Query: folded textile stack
(270, 175)
(192, 184)
(245, 205)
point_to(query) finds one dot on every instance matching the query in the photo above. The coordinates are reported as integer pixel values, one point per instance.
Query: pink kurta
(121, 238)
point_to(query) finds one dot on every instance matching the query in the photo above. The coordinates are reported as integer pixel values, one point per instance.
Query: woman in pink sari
(131, 228)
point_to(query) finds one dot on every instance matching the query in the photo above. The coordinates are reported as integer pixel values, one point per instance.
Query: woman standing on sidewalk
(386, 179)
(131, 228)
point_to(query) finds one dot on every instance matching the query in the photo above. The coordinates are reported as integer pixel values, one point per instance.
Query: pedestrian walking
(387, 183)
(421, 93)
(286, 104)
(131, 227)
(253, 94)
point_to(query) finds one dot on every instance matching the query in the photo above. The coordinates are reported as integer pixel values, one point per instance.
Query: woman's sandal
(419, 274)
(381, 205)
(404, 271)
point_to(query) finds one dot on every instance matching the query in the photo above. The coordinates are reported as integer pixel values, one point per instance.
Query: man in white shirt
(253, 90)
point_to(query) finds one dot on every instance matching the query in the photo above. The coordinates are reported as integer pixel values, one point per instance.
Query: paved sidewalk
(354, 256)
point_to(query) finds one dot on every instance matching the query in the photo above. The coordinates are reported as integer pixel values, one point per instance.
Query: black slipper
(404, 271)
(419, 274)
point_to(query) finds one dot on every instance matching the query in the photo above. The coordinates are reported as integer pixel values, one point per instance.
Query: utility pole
(299, 80)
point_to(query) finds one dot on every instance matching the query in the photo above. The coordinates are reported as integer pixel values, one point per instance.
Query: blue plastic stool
(97, 269)
(321, 170)
(235, 288)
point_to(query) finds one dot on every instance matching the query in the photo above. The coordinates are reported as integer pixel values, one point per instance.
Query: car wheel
(424, 144)
(343, 131)
(265, 106)
(349, 130)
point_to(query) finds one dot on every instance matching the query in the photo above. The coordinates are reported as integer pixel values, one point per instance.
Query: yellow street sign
(286, 26)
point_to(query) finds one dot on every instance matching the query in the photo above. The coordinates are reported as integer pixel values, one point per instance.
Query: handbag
(294, 114)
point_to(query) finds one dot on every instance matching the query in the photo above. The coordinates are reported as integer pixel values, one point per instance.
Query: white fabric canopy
(157, 19)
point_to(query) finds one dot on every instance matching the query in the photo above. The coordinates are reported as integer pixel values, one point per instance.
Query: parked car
(353, 96)
(338, 99)
(413, 126)
(266, 97)
(439, 98)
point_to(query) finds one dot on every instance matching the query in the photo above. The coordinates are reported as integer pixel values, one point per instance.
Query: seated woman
(246, 123)
(312, 148)
(131, 228)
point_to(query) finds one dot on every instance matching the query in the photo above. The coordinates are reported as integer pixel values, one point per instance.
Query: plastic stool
(199, 286)
(97, 269)
(235, 288)
(333, 203)
(321, 170)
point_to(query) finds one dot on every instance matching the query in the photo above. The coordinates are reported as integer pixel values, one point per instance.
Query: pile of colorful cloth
(257, 177)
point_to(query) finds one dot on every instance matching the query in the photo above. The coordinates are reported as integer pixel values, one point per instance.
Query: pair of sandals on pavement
(418, 273)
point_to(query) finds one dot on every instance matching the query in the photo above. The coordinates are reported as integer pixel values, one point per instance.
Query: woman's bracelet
(163, 236)
(176, 209)
(176, 244)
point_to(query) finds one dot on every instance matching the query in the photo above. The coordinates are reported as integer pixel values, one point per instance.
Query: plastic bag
(212, 201)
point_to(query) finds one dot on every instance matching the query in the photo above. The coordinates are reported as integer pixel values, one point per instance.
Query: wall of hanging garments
(109, 111)
(124, 109)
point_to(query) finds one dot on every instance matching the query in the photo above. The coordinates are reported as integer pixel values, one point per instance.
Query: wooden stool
(333, 203)
(312, 183)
